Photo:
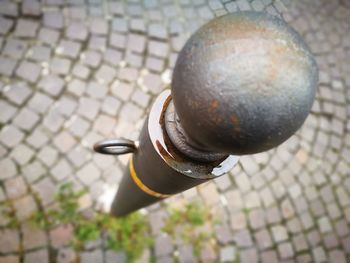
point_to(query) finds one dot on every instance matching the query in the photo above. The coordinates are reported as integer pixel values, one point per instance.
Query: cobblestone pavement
(73, 72)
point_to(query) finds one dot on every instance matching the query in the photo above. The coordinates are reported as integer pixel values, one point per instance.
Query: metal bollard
(243, 83)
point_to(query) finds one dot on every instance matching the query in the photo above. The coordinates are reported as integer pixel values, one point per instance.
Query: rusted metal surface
(243, 83)
(160, 167)
(176, 135)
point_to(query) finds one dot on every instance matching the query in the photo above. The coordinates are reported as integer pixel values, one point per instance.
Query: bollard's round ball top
(243, 84)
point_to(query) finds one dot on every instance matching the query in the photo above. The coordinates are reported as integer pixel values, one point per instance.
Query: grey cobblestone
(68, 48)
(105, 74)
(163, 246)
(45, 188)
(249, 255)
(10, 136)
(263, 239)
(33, 237)
(88, 108)
(48, 36)
(7, 66)
(53, 19)
(60, 66)
(5, 25)
(279, 233)
(40, 102)
(65, 255)
(76, 86)
(8, 168)
(9, 241)
(61, 170)
(128, 74)
(130, 112)
(78, 156)
(89, 71)
(51, 84)
(112, 56)
(33, 171)
(117, 40)
(269, 256)
(78, 126)
(88, 173)
(15, 48)
(228, 254)
(8, 8)
(64, 141)
(40, 53)
(22, 154)
(319, 254)
(104, 125)
(185, 254)
(37, 256)
(91, 58)
(31, 7)
(285, 250)
(98, 26)
(15, 187)
(92, 256)
(110, 105)
(18, 93)
(61, 236)
(96, 90)
(155, 64)
(48, 155)
(77, 31)
(26, 28)
(37, 139)
(158, 49)
(9, 259)
(26, 119)
(243, 239)
(133, 59)
(25, 207)
(28, 71)
(223, 234)
(337, 256)
(7, 111)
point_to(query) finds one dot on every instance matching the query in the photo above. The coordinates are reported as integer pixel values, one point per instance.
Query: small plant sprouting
(9, 215)
(246, 210)
(187, 224)
(129, 234)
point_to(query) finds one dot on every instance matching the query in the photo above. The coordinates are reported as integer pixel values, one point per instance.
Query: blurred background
(73, 72)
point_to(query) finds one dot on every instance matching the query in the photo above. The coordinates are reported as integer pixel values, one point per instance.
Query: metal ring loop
(115, 147)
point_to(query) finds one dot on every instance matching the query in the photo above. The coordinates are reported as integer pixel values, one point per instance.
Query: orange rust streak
(214, 104)
(235, 121)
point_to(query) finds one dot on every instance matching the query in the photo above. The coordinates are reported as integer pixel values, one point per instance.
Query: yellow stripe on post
(139, 183)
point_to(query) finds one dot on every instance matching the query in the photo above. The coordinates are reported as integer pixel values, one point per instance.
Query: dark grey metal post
(243, 84)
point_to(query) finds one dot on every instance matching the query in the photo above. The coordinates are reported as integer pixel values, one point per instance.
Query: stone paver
(15, 187)
(26, 28)
(10, 136)
(74, 73)
(28, 71)
(8, 168)
(37, 256)
(9, 241)
(18, 92)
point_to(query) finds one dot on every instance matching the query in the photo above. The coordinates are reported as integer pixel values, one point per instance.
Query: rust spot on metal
(165, 106)
(275, 59)
(213, 105)
(235, 121)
